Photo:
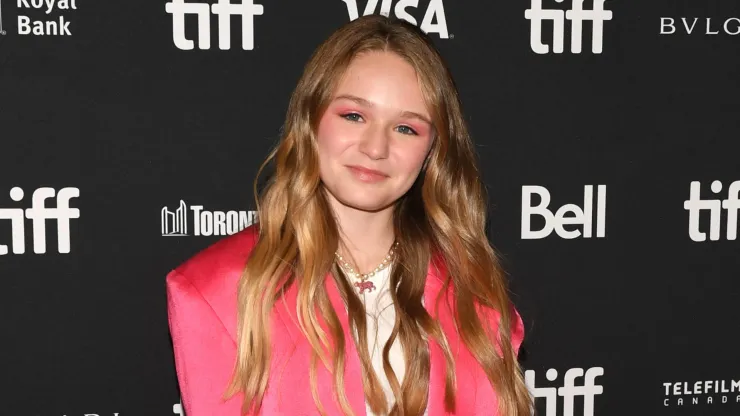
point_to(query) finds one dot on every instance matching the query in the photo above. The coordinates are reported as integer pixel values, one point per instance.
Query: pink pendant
(366, 285)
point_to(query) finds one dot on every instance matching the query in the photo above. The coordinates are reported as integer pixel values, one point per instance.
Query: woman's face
(375, 133)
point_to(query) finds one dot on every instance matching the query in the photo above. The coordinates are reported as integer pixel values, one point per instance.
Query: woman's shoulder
(218, 264)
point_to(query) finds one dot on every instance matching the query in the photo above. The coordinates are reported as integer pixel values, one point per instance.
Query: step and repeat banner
(609, 137)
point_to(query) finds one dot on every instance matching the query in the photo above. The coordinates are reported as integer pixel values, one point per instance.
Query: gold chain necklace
(364, 282)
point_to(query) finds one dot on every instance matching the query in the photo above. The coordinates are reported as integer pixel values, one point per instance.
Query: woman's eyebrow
(366, 103)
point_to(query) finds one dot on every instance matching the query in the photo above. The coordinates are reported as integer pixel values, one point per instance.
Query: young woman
(368, 285)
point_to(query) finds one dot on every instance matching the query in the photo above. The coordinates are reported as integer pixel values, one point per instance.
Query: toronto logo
(175, 223)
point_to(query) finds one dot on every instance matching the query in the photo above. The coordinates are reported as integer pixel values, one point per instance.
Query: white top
(378, 303)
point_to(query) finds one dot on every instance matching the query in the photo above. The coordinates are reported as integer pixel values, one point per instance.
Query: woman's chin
(367, 203)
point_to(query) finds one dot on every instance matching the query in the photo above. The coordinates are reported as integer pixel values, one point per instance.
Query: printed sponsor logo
(576, 15)
(50, 25)
(579, 216)
(701, 392)
(571, 388)
(224, 9)
(434, 19)
(176, 223)
(695, 205)
(39, 213)
(699, 26)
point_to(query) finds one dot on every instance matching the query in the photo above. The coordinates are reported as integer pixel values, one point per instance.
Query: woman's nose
(375, 141)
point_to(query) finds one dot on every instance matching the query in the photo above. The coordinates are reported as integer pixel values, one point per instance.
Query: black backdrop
(634, 312)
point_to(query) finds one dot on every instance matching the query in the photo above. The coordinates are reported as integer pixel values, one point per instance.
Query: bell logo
(224, 9)
(38, 214)
(695, 204)
(569, 391)
(558, 220)
(435, 11)
(577, 15)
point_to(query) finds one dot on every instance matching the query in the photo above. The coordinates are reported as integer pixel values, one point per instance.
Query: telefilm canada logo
(704, 392)
(580, 219)
(54, 21)
(39, 214)
(433, 20)
(536, 15)
(224, 9)
(695, 205)
(586, 388)
(175, 222)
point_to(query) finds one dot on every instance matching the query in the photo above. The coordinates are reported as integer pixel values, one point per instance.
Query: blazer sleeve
(204, 351)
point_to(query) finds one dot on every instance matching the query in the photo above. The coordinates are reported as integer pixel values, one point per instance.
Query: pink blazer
(201, 302)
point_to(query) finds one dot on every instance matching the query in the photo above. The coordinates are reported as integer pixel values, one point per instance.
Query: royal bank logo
(39, 214)
(175, 223)
(536, 14)
(586, 389)
(224, 9)
(433, 20)
(53, 22)
(695, 205)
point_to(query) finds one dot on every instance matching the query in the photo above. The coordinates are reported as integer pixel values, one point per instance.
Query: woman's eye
(352, 116)
(406, 130)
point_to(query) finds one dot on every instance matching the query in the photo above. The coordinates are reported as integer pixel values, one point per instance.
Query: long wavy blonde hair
(442, 215)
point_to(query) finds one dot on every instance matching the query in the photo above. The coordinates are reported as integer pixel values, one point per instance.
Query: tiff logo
(695, 204)
(224, 9)
(205, 223)
(38, 214)
(577, 15)
(435, 11)
(588, 390)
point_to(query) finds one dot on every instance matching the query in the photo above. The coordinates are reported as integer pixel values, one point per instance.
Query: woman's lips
(367, 175)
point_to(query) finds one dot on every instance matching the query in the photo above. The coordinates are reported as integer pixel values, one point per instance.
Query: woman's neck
(365, 237)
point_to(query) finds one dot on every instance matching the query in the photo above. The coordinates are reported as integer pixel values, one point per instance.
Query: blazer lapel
(298, 403)
(438, 364)
(297, 360)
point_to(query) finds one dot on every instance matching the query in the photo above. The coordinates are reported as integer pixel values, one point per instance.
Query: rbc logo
(588, 390)
(224, 9)
(577, 15)
(557, 221)
(38, 214)
(435, 11)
